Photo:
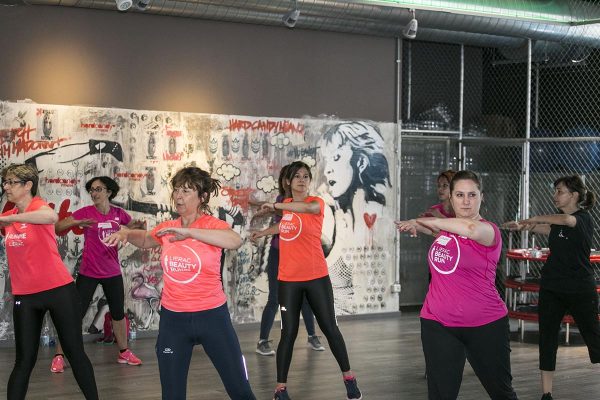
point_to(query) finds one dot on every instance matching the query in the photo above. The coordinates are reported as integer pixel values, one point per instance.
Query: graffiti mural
(141, 150)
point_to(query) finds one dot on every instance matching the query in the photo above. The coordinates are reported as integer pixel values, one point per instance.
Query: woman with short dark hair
(100, 263)
(40, 282)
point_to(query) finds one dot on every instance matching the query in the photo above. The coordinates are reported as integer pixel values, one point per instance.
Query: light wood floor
(385, 352)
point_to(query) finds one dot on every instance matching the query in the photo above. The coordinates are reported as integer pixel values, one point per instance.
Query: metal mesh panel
(489, 127)
(421, 162)
(565, 125)
(504, 96)
(431, 102)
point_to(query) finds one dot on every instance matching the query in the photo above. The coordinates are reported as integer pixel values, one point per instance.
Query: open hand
(178, 233)
(116, 238)
(84, 223)
(409, 226)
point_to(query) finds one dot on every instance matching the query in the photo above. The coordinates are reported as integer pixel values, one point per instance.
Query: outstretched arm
(138, 237)
(42, 216)
(552, 219)
(69, 222)
(412, 227)
(272, 230)
(539, 228)
(481, 232)
(541, 223)
(223, 238)
(313, 207)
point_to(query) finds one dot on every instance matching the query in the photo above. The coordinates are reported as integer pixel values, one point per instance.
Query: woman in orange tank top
(303, 272)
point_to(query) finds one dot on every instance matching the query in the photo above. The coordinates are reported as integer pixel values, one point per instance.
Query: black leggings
(319, 294)
(552, 308)
(179, 332)
(113, 291)
(487, 348)
(272, 306)
(28, 316)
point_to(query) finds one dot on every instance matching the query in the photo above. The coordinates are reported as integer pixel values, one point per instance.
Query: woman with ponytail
(567, 283)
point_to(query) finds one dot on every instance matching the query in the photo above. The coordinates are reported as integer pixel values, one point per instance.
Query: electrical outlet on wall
(396, 287)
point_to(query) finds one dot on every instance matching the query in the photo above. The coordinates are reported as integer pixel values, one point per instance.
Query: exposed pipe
(409, 83)
(387, 18)
(397, 286)
(462, 158)
(526, 155)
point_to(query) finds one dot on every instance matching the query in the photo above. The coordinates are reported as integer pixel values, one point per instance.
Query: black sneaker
(315, 343)
(352, 390)
(281, 394)
(264, 348)
(547, 396)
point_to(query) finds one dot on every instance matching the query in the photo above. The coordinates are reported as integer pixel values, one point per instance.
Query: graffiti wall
(351, 164)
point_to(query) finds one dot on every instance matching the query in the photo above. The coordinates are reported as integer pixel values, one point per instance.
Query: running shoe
(315, 343)
(127, 357)
(281, 394)
(352, 390)
(58, 364)
(264, 348)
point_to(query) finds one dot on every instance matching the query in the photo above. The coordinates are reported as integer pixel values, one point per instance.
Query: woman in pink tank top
(444, 208)
(463, 317)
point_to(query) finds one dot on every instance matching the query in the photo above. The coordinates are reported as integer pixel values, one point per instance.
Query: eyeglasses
(96, 189)
(10, 182)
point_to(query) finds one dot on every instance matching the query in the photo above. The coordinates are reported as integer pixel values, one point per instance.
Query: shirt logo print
(444, 254)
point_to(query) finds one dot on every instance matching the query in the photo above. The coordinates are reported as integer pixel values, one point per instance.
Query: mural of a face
(338, 171)
(151, 145)
(47, 128)
(150, 179)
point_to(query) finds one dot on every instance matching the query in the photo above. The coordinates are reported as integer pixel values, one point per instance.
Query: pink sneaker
(127, 357)
(58, 364)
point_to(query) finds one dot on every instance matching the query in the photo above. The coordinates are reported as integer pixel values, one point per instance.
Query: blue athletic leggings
(179, 332)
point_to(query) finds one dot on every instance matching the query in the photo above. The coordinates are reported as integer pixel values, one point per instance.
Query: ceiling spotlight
(123, 5)
(142, 5)
(291, 17)
(410, 30)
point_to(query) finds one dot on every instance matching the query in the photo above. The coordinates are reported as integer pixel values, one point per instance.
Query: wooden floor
(385, 352)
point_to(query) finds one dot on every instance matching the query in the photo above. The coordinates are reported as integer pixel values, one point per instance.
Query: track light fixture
(291, 17)
(123, 5)
(142, 5)
(410, 30)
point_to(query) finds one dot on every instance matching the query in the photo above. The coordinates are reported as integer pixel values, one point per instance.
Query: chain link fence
(519, 124)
